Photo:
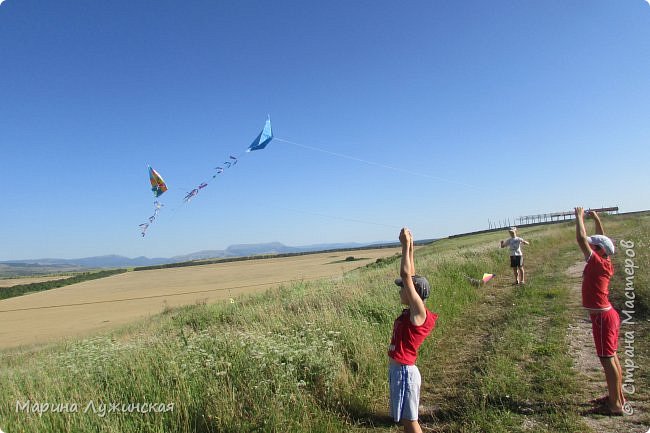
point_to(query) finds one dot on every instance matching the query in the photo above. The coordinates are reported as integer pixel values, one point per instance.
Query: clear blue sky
(492, 109)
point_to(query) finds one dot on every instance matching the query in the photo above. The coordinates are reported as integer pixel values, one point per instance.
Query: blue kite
(263, 139)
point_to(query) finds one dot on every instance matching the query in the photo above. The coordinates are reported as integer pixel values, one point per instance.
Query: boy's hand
(581, 233)
(580, 212)
(405, 237)
(599, 225)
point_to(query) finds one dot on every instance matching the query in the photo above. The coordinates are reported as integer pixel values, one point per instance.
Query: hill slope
(17, 268)
(311, 356)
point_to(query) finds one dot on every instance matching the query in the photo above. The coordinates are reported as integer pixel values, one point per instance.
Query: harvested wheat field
(83, 308)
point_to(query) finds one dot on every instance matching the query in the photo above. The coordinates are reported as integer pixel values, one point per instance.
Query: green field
(312, 356)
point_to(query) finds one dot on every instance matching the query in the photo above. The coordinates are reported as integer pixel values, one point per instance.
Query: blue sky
(462, 111)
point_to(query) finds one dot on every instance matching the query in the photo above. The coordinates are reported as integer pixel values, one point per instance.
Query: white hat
(604, 242)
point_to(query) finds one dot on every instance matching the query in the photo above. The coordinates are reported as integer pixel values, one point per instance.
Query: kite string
(228, 163)
(233, 159)
(377, 164)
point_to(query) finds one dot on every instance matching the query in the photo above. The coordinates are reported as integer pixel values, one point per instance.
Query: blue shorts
(404, 385)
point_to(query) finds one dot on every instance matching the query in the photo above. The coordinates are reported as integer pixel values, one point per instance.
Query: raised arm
(581, 233)
(405, 265)
(599, 224)
(416, 305)
(411, 256)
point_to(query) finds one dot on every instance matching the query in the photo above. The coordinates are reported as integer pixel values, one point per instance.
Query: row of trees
(21, 289)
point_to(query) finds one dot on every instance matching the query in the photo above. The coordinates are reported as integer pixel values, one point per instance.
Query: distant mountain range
(45, 266)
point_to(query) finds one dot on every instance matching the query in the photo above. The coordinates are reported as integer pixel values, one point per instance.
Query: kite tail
(260, 142)
(473, 281)
(144, 226)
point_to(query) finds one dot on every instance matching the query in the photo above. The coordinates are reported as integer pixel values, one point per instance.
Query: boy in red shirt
(409, 331)
(605, 321)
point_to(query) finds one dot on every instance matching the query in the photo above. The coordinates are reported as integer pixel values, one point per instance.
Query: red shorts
(605, 326)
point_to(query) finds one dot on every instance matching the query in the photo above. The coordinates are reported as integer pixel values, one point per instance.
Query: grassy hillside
(312, 356)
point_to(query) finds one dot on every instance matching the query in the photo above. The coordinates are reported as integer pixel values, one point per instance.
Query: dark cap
(421, 285)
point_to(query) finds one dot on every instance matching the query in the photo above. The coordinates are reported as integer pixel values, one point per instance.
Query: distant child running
(409, 331)
(516, 255)
(605, 321)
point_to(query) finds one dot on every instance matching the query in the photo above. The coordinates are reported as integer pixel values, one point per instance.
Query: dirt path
(589, 370)
(443, 387)
(442, 392)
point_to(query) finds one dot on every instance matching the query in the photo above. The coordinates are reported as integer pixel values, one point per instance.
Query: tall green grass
(309, 356)
(305, 357)
(524, 379)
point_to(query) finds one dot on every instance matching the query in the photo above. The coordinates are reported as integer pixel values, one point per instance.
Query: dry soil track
(591, 372)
